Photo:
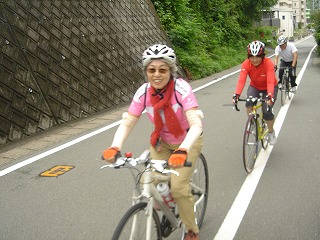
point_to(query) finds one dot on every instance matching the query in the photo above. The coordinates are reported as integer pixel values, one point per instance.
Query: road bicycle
(150, 217)
(256, 129)
(286, 90)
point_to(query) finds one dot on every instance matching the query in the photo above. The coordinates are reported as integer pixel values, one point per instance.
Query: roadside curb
(56, 135)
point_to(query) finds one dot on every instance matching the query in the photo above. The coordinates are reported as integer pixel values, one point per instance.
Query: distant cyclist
(289, 56)
(262, 80)
(173, 109)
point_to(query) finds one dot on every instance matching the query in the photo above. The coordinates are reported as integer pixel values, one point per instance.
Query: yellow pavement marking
(56, 171)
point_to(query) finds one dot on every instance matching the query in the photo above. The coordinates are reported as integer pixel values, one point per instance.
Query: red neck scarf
(160, 100)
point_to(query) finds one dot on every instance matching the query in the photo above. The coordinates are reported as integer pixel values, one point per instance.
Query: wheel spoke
(133, 225)
(250, 144)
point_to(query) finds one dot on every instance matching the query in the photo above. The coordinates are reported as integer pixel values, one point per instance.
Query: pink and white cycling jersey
(183, 100)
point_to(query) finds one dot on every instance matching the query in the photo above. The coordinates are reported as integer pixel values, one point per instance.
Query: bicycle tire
(264, 129)
(289, 91)
(284, 90)
(250, 144)
(127, 225)
(200, 178)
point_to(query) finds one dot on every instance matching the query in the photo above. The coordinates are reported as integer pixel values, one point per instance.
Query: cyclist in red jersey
(262, 80)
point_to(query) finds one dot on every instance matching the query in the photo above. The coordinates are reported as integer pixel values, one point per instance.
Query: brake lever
(117, 164)
(235, 106)
(160, 166)
(166, 171)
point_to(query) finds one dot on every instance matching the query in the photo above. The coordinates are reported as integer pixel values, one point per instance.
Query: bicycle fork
(150, 192)
(261, 133)
(261, 127)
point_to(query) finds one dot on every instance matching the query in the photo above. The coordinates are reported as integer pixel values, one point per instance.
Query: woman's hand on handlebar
(111, 154)
(178, 158)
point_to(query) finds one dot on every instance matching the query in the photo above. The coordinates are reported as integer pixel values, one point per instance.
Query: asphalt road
(278, 200)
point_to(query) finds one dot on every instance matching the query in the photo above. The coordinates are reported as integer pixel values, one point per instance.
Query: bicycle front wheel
(284, 91)
(200, 188)
(250, 144)
(289, 90)
(133, 224)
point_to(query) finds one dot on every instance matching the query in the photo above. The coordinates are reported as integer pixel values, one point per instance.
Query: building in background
(299, 9)
(287, 15)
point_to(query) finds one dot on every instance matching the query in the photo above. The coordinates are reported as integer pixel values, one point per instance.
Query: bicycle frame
(261, 134)
(286, 72)
(255, 131)
(146, 198)
(150, 193)
(154, 171)
(255, 108)
(286, 85)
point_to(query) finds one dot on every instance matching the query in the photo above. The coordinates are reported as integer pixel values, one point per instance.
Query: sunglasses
(161, 70)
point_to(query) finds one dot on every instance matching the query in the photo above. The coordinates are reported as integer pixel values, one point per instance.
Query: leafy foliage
(316, 24)
(211, 35)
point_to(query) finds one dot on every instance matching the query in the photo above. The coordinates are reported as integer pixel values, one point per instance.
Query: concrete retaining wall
(64, 60)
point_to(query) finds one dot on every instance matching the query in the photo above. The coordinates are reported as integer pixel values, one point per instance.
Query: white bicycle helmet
(256, 48)
(282, 40)
(158, 51)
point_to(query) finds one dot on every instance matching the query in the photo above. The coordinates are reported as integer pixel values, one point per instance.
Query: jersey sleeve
(242, 77)
(271, 76)
(294, 48)
(185, 95)
(137, 104)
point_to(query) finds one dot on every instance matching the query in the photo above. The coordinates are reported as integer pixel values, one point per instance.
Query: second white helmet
(282, 40)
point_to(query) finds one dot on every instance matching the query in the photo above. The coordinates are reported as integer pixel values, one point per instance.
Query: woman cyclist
(262, 80)
(173, 109)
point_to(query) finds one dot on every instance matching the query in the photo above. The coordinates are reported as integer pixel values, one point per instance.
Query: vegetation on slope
(211, 35)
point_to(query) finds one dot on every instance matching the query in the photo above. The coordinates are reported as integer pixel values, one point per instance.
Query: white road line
(56, 149)
(231, 223)
(215, 81)
(77, 140)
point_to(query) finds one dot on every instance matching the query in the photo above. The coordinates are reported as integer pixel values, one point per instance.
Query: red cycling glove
(178, 158)
(111, 154)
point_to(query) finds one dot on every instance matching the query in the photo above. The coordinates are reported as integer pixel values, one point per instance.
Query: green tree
(210, 35)
(315, 18)
(250, 11)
